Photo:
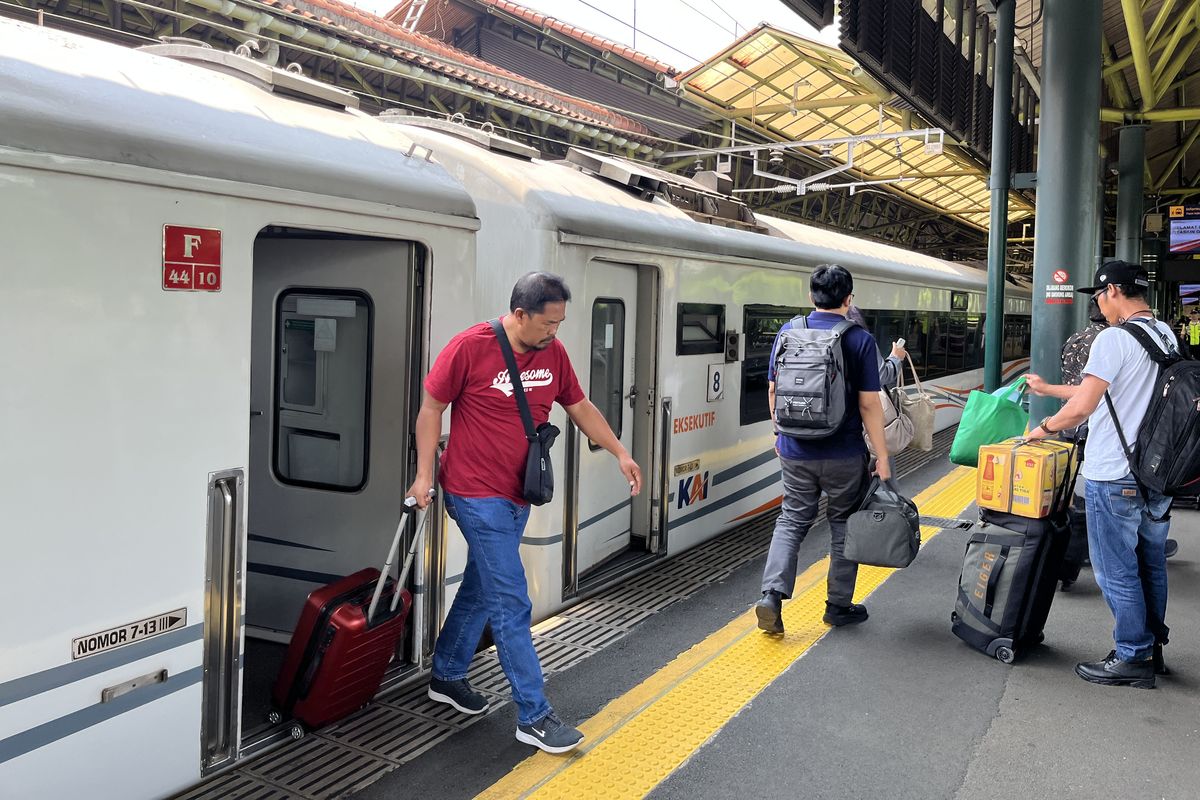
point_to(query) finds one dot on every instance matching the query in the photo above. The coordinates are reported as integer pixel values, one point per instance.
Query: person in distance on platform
(482, 476)
(835, 465)
(1127, 545)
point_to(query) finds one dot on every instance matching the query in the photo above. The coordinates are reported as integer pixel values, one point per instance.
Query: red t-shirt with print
(485, 456)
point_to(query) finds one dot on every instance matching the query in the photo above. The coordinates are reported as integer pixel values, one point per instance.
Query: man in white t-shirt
(1127, 531)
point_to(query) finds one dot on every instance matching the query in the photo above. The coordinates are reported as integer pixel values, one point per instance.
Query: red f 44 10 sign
(191, 259)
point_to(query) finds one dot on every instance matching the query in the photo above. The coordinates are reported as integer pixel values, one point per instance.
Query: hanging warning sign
(191, 259)
(111, 639)
(1061, 292)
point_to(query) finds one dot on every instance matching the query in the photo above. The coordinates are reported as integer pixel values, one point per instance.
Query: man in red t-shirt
(482, 476)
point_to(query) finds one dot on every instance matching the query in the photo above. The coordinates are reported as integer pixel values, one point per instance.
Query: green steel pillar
(998, 228)
(1131, 164)
(1080, 315)
(1068, 161)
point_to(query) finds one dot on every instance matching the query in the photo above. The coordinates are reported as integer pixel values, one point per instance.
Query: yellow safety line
(643, 736)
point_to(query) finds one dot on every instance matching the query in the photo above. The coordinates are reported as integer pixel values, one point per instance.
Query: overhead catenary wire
(736, 23)
(601, 11)
(720, 25)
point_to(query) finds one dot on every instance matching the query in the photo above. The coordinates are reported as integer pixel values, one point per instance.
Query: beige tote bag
(920, 409)
(897, 425)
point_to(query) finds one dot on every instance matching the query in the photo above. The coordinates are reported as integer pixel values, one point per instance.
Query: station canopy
(796, 90)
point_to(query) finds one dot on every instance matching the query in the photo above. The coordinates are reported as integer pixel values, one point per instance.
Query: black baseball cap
(1118, 272)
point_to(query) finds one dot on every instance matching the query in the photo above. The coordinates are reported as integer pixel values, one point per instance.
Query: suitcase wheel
(297, 731)
(1005, 655)
(274, 718)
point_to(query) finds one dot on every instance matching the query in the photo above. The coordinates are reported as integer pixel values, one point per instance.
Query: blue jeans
(1129, 560)
(493, 590)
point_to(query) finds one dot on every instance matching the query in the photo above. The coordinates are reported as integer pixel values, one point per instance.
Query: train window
(975, 332)
(760, 324)
(959, 301)
(606, 387)
(322, 387)
(956, 343)
(700, 329)
(1016, 337)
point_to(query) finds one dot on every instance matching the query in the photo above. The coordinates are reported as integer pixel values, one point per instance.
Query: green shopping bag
(987, 419)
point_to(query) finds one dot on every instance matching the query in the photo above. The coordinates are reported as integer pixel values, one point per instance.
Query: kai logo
(693, 489)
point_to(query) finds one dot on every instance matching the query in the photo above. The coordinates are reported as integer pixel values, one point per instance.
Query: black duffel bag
(886, 530)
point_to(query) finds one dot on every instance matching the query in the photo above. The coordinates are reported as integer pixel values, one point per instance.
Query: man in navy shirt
(836, 464)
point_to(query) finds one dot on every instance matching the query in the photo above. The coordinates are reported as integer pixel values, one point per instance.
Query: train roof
(69, 95)
(559, 196)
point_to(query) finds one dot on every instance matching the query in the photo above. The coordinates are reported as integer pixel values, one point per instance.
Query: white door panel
(604, 502)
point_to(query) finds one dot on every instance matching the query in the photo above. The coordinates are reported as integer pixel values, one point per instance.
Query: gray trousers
(844, 480)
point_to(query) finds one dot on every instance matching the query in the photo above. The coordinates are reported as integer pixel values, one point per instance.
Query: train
(224, 285)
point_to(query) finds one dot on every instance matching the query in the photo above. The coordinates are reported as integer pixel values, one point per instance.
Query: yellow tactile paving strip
(626, 755)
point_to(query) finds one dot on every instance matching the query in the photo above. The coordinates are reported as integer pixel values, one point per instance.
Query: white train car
(224, 285)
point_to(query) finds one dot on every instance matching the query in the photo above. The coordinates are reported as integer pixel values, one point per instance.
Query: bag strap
(1019, 387)
(1125, 448)
(840, 329)
(916, 380)
(515, 376)
(1146, 340)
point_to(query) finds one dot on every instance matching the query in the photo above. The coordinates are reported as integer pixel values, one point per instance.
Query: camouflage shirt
(1075, 352)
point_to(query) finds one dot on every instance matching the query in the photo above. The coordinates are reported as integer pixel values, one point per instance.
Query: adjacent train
(224, 284)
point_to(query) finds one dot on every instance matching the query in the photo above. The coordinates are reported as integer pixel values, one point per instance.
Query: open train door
(336, 346)
(613, 530)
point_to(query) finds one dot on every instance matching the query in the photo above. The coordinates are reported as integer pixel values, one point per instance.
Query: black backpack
(811, 391)
(1165, 456)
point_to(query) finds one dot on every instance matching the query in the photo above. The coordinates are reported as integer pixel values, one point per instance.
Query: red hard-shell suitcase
(346, 637)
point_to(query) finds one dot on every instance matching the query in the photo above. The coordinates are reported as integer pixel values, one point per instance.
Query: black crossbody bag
(539, 470)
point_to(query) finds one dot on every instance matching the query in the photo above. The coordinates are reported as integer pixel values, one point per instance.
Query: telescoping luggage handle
(409, 509)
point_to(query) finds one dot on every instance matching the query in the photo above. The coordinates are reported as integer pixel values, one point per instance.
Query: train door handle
(632, 396)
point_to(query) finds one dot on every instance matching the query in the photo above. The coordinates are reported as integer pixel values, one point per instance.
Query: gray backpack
(810, 380)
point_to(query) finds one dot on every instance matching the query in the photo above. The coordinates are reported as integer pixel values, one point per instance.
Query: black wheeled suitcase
(1009, 576)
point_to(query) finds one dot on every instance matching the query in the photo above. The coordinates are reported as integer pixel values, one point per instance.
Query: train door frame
(645, 519)
(224, 737)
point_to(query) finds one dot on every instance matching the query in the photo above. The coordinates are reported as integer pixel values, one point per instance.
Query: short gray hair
(534, 290)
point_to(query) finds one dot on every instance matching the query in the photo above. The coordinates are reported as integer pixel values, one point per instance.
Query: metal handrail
(658, 537)
(570, 542)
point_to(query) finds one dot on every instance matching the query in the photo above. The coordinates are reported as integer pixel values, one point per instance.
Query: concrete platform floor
(896, 707)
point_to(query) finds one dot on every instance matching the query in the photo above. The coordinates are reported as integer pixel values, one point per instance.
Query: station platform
(681, 696)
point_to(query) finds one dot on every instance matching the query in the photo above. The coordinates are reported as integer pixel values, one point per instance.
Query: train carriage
(224, 284)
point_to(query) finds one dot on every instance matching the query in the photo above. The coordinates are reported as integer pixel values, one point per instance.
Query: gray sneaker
(458, 694)
(550, 734)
